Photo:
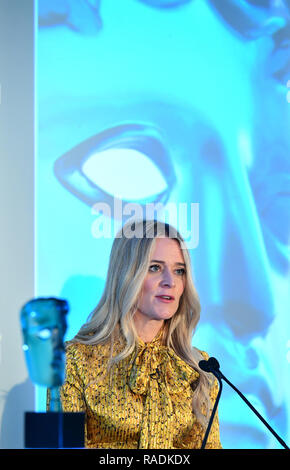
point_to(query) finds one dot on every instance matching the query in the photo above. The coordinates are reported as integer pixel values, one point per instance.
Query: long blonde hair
(128, 267)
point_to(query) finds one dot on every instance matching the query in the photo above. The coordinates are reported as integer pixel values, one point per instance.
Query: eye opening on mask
(44, 334)
(141, 142)
(134, 175)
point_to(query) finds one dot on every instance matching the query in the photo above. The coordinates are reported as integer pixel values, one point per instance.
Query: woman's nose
(167, 279)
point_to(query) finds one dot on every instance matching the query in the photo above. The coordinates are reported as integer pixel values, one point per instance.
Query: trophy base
(54, 430)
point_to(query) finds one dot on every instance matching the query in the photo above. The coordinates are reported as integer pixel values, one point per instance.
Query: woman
(131, 368)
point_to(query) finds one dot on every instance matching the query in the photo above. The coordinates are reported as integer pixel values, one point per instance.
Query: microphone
(212, 365)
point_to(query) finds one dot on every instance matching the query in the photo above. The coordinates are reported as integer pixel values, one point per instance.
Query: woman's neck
(147, 329)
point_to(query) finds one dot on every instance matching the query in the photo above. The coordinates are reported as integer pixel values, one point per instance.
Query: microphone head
(214, 364)
(205, 366)
(210, 365)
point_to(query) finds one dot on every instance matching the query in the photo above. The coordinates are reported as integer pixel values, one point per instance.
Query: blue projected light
(176, 102)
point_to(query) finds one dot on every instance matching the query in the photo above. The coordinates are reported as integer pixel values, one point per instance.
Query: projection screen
(181, 104)
(180, 108)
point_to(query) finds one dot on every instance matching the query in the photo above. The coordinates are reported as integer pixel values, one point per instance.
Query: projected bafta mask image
(43, 322)
(197, 114)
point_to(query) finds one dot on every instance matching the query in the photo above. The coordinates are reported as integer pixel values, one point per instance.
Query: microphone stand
(212, 413)
(213, 366)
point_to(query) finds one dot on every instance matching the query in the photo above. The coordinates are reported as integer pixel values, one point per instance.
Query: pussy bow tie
(159, 363)
(158, 374)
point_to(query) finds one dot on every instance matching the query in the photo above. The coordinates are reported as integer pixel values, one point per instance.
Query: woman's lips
(165, 298)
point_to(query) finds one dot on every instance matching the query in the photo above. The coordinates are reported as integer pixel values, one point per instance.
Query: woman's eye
(154, 268)
(180, 271)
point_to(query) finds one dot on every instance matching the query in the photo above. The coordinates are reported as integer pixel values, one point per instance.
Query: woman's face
(164, 283)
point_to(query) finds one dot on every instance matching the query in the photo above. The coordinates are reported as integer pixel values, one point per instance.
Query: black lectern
(54, 430)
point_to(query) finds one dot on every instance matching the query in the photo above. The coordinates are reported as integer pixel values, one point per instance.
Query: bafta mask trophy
(43, 323)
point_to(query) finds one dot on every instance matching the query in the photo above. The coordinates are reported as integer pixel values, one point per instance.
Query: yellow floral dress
(145, 404)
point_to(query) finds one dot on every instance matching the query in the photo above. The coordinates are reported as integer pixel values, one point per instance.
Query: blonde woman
(132, 368)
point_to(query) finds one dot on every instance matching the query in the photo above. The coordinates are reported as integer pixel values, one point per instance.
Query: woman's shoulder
(84, 351)
(204, 354)
(201, 353)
